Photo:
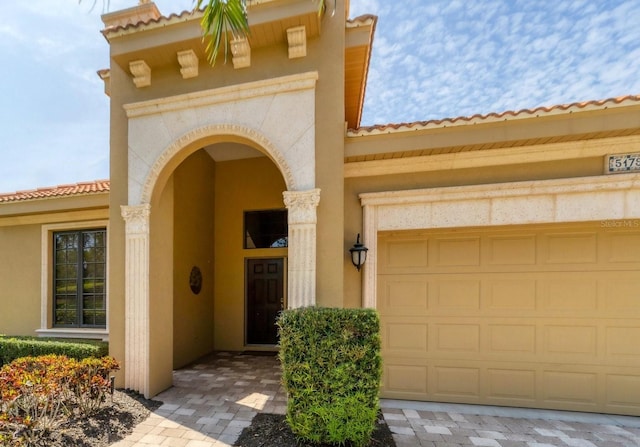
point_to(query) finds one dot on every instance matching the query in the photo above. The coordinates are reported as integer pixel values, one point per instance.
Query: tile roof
(162, 20)
(76, 189)
(495, 117)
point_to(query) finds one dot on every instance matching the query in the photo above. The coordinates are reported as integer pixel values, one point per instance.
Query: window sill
(101, 334)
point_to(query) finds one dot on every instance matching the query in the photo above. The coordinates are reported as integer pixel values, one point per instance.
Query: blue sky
(432, 59)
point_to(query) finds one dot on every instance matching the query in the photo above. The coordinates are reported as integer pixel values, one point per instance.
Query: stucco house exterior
(503, 250)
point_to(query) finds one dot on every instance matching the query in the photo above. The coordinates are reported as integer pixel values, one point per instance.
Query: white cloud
(431, 60)
(490, 56)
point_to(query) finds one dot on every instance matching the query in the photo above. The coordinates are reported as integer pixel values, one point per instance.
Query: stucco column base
(302, 212)
(137, 297)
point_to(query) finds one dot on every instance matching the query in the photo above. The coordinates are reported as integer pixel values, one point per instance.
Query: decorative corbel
(105, 75)
(241, 52)
(189, 63)
(297, 38)
(141, 73)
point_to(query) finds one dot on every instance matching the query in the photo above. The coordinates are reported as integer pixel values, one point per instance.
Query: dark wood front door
(265, 299)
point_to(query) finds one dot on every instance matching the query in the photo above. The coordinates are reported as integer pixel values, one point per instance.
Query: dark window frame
(79, 277)
(279, 238)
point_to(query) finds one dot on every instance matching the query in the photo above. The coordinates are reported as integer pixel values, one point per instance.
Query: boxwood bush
(12, 347)
(331, 366)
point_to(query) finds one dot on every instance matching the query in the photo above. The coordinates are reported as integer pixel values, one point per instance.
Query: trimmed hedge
(331, 370)
(12, 348)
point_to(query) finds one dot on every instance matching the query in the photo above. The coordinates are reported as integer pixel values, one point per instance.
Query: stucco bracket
(302, 212)
(297, 39)
(241, 52)
(188, 64)
(141, 73)
(105, 75)
(137, 297)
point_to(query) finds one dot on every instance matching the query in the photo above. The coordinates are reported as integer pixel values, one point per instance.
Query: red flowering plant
(37, 394)
(91, 383)
(32, 392)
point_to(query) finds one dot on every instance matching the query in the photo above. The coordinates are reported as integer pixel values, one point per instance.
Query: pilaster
(137, 297)
(302, 212)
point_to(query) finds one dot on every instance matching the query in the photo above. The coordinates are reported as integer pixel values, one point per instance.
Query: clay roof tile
(509, 114)
(74, 189)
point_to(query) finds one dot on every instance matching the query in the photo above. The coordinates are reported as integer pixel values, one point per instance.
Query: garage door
(531, 316)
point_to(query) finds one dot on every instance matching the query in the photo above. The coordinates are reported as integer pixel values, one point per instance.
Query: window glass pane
(72, 256)
(265, 229)
(95, 318)
(65, 311)
(79, 301)
(88, 239)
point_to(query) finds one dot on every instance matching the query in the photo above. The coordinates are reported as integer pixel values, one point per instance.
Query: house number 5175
(619, 163)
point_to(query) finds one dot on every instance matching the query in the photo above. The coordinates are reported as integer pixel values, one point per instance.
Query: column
(137, 297)
(302, 215)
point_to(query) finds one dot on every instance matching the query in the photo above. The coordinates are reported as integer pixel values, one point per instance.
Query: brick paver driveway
(212, 401)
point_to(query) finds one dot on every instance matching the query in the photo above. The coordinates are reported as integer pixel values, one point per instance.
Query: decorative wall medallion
(195, 280)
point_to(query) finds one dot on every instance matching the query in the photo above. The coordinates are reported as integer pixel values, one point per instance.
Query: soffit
(232, 151)
(359, 39)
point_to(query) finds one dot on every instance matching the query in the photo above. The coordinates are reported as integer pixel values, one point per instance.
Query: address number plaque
(621, 163)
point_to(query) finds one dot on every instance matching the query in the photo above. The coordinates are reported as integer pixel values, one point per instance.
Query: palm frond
(221, 18)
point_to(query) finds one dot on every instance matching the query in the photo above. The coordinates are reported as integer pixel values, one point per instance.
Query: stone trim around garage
(580, 199)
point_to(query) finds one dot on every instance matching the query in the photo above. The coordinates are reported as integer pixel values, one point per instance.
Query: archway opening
(200, 255)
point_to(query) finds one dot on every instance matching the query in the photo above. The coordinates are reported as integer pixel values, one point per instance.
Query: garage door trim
(613, 200)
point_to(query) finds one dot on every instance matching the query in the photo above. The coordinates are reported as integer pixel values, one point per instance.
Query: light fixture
(358, 253)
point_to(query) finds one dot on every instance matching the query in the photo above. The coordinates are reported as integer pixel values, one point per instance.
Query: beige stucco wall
(118, 196)
(21, 259)
(330, 119)
(161, 290)
(241, 185)
(20, 279)
(488, 175)
(193, 245)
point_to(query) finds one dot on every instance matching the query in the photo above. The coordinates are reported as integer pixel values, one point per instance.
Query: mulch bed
(110, 424)
(271, 430)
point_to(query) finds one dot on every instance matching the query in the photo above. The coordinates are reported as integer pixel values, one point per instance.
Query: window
(79, 278)
(265, 229)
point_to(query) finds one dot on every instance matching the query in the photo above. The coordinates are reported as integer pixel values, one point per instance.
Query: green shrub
(331, 369)
(12, 348)
(37, 393)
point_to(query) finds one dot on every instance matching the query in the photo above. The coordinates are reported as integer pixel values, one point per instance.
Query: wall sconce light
(358, 253)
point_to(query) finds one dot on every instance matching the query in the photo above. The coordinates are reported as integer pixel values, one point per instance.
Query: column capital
(136, 218)
(302, 205)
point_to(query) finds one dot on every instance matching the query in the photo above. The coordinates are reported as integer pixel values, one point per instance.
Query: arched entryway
(275, 118)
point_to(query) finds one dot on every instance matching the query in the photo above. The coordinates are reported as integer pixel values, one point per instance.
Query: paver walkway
(213, 401)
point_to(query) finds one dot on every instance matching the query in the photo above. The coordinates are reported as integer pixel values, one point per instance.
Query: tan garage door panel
(545, 316)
